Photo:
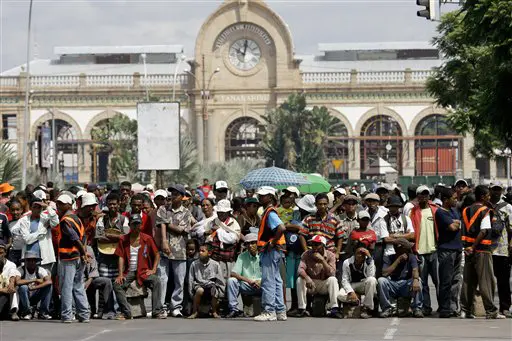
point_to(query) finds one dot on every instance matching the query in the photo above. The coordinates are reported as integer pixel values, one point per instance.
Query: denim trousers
(429, 266)
(29, 298)
(236, 287)
(272, 299)
(394, 289)
(71, 280)
(176, 270)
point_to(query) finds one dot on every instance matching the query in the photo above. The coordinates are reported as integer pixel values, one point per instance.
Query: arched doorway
(243, 138)
(67, 149)
(436, 156)
(337, 151)
(381, 147)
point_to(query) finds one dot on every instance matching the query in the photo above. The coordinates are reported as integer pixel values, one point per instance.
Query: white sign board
(158, 136)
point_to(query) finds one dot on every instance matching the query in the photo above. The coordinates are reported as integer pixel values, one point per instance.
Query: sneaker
(15, 317)
(495, 316)
(233, 314)
(282, 316)
(387, 313)
(465, 315)
(44, 317)
(365, 313)
(418, 313)
(299, 313)
(84, 320)
(176, 313)
(27, 317)
(335, 314)
(506, 313)
(266, 316)
(108, 316)
(162, 315)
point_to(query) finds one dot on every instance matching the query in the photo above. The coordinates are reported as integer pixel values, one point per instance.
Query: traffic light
(432, 9)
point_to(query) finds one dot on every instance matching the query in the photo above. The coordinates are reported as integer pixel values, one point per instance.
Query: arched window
(435, 155)
(337, 150)
(243, 138)
(381, 146)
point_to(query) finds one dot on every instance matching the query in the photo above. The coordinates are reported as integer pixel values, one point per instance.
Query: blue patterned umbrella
(272, 176)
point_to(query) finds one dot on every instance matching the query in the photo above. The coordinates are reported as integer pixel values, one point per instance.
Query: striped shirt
(330, 228)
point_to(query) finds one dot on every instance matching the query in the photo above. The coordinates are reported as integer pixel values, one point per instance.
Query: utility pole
(205, 114)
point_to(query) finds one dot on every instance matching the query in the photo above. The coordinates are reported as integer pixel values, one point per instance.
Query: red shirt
(147, 225)
(206, 190)
(368, 237)
(146, 257)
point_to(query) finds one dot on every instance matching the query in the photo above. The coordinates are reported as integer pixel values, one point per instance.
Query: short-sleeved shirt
(39, 273)
(450, 240)
(368, 238)
(182, 218)
(403, 271)
(273, 220)
(248, 266)
(427, 240)
(329, 228)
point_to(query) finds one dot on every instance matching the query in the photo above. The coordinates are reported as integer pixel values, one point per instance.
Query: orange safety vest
(471, 231)
(265, 233)
(67, 248)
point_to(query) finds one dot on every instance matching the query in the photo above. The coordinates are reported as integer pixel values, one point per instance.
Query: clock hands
(245, 46)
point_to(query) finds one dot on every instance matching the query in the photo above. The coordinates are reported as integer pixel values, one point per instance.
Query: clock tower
(244, 56)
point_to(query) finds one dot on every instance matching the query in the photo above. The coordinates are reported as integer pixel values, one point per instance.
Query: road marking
(390, 333)
(395, 321)
(104, 331)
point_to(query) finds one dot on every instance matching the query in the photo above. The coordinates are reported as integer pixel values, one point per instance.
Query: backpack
(387, 219)
(24, 275)
(497, 222)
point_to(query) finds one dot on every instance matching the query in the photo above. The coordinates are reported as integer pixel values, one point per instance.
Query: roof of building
(380, 46)
(75, 50)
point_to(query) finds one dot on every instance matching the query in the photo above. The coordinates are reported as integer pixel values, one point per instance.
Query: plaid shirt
(329, 228)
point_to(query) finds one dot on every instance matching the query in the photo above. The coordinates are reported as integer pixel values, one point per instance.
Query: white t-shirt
(486, 223)
(134, 253)
(41, 273)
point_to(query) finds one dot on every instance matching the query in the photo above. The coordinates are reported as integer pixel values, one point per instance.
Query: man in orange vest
(271, 243)
(72, 260)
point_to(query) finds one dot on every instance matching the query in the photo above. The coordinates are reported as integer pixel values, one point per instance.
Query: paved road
(408, 329)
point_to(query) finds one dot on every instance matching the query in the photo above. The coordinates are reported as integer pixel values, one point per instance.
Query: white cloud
(138, 22)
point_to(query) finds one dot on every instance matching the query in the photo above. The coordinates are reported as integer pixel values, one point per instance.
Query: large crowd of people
(93, 252)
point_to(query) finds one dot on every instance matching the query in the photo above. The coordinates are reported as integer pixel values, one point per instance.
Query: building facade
(244, 65)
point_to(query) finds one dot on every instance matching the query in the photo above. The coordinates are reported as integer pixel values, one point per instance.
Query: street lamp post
(205, 96)
(26, 121)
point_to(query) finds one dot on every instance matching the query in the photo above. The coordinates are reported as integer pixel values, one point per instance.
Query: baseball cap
(161, 193)
(150, 187)
(80, 193)
(319, 239)
(383, 186)
(341, 191)
(266, 190)
(39, 194)
(92, 187)
(497, 184)
(363, 215)
(402, 242)
(65, 199)
(251, 237)
(89, 199)
(224, 206)
(422, 189)
(372, 196)
(221, 184)
(461, 182)
(178, 188)
(394, 200)
(292, 189)
(307, 203)
(350, 198)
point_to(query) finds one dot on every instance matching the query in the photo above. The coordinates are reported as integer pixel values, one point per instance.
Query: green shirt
(248, 266)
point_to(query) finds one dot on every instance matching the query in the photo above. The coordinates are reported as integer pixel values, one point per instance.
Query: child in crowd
(192, 255)
(205, 280)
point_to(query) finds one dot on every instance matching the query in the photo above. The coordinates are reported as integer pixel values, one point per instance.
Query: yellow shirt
(427, 240)
(286, 214)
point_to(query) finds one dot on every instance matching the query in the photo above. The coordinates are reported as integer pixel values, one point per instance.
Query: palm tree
(10, 164)
(189, 165)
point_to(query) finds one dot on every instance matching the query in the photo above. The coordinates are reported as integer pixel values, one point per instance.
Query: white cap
(266, 190)
(293, 189)
(65, 199)
(39, 194)
(307, 203)
(80, 193)
(341, 191)
(224, 206)
(150, 187)
(363, 215)
(463, 181)
(161, 193)
(422, 189)
(89, 199)
(221, 184)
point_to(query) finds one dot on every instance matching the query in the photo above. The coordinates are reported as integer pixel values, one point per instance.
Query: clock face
(244, 54)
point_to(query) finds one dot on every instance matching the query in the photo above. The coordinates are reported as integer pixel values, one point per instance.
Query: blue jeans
(26, 300)
(236, 287)
(71, 280)
(271, 282)
(394, 289)
(177, 270)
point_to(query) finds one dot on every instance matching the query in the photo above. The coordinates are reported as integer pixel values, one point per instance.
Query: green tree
(118, 136)
(189, 164)
(10, 164)
(296, 136)
(475, 83)
(231, 171)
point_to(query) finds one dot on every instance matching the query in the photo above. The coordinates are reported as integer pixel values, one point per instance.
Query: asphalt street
(406, 329)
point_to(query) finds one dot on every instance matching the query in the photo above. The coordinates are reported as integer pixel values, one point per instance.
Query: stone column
(408, 161)
(212, 143)
(199, 136)
(468, 161)
(354, 157)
